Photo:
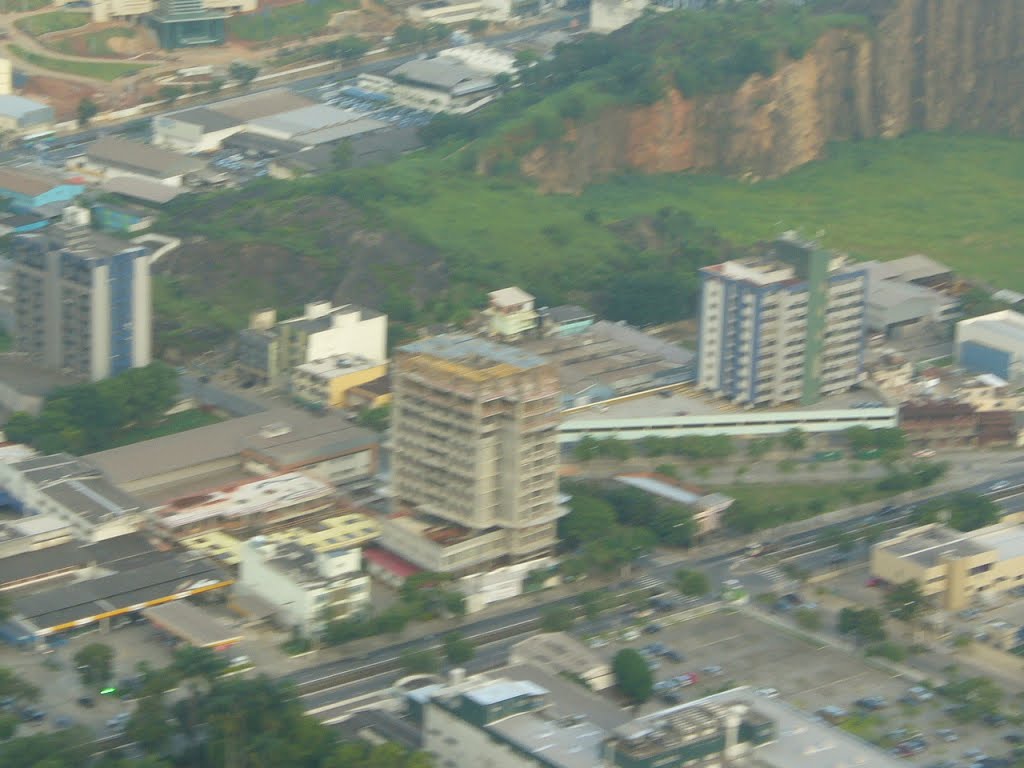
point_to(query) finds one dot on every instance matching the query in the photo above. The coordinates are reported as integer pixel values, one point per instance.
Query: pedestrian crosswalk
(649, 582)
(771, 573)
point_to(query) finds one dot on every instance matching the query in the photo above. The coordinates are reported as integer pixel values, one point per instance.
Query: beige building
(558, 653)
(474, 433)
(510, 313)
(955, 570)
(326, 383)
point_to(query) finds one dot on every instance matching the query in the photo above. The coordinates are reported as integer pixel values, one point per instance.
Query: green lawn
(57, 21)
(953, 198)
(179, 422)
(291, 21)
(832, 495)
(100, 70)
(96, 44)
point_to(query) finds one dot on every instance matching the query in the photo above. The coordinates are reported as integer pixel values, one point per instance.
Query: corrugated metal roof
(503, 691)
(19, 106)
(134, 155)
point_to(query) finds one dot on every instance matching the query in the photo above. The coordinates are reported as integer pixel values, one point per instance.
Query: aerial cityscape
(511, 384)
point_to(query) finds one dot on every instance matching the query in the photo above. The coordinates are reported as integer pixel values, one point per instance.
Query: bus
(40, 137)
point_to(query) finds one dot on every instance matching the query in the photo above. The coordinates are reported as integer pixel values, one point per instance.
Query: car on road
(32, 715)
(712, 669)
(994, 719)
(874, 581)
(1014, 738)
(1001, 485)
(924, 453)
(597, 642)
(947, 735)
(687, 679)
(653, 628)
(86, 701)
(63, 721)
(674, 656)
(768, 693)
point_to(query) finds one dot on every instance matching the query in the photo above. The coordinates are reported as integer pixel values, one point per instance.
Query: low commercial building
(707, 508)
(112, 157)
(948, 423)
(23, 115)
(199, 129)
(192, 625)
(516, 722)
(31, 190)
(955, 570)
(271, 442)
(992, 343)
(30, 568)
(494, 584)
(900, 308)
(73, 491)
(152, 579)
(326, 383)
(247, 505)
(387, 567)
(308, 588)
(566, 320)
(270, 349)
(558, 653)
(32, 533)
(443, 547)
(438, 84)
(510, 314)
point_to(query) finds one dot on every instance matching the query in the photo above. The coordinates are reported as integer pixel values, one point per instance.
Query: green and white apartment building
(784, 327)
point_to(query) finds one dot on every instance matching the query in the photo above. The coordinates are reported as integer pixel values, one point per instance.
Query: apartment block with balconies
(782, 327)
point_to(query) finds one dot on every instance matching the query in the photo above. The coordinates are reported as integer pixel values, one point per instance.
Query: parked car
(86, 701)
(994, 719)
(674, 656)
(872, 703)
(714, 669)
(768, 693)
(947, 735)
(832, 714)
(1014, 738)
(32, 715)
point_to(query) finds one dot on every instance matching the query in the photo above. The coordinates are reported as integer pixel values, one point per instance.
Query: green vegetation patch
(94, 44)
(57, 21)
(290, 21)
(759, 506)
(99, 70)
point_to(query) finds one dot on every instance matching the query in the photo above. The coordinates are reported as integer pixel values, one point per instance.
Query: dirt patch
(62, 95)
(113, 41)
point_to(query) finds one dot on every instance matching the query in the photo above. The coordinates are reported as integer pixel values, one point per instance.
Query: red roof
(390, 562)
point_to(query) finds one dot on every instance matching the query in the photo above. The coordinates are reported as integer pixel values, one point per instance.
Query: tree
(242, 72)
(205, 663)
(95, 664)
(865, 624)
(171, 93)
(794, 440)
(477, 26)
(341, 155)
(589, 519)
(87, 110)
(351, 48)
(809, 619)
(16, 687)
(419, 662)
(691, 583)
(970, 511)
(457, 649)
(905, 601)
(756, 449)
(148, 724)
(555, 620)
(632, 675)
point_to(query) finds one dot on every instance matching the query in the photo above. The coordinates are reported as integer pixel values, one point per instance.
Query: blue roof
(18, 106)
(463, 348)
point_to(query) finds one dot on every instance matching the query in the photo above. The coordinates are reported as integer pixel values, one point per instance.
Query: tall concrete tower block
(6, 78)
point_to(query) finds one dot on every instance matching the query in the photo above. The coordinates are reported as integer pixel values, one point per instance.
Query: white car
(768, 693)
(1001, 485)
(925, 453)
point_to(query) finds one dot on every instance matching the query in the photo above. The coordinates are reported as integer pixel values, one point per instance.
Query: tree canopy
(905, 601)
(632, 675)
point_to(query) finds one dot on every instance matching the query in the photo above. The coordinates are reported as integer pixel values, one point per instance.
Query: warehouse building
(113, 157)
(266, 443)
(992, 343)
(900, 307)
(30, 189)
(438, 84)
(20, 114)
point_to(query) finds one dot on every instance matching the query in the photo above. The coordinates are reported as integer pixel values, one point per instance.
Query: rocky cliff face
(928, 65)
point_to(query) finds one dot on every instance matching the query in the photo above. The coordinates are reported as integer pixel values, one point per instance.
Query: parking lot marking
(834, 682)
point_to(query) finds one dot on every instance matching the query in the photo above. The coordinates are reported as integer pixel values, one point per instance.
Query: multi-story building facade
(82, 300)
(510, 313)
(269, 349)
(474, 432)
(308, 587)
(787, 326)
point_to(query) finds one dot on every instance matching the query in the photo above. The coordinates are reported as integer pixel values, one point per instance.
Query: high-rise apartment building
(475, 446)
(786, 326)
(82, 300)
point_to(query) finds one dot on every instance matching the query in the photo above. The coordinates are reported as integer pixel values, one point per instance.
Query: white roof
(503, 691)
(510, 297)
(660, 488)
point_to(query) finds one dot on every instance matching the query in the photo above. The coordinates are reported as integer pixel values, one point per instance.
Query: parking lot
(811, 677)
(345, 95)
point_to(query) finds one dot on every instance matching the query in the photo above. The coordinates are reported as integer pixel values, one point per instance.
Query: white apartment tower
(787, 326)
(474, 435)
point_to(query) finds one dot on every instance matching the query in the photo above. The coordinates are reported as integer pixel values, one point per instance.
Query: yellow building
(955, 570)
(510, 313)
(338, 532)
(327, 382)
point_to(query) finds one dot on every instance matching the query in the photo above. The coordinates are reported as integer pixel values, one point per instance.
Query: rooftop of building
(261, 496)
(561, 652)
(30, 181)
(125, 153)
(348, 130)
(206, 118)
(801, 740)
(929, 545)
(80, 241)
(916, 266)
(115, 554)
(141, 189)
(95, 498)
(310, 119)
(157, 576)
(254, 106)
(296, 435)
(567, 313)
(299, 562)
(1007, 539)
(1006, 322)
(336, 365)
(666, 489)
(390, 562)
(475, 355)
(885, 289)
(19, 106)
(513, 296)
(193, 624)
(445, 73)
(32, 527)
